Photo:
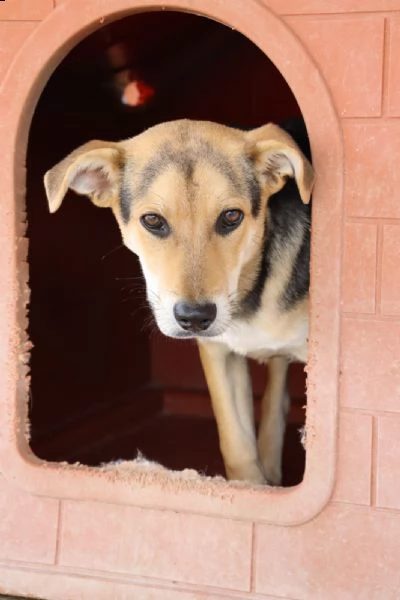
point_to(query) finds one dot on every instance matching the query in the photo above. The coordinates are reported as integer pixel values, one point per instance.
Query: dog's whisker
(138, 289)
(150, 326)
(130, 299)
(133, 278)
(107, 254)
(139, 309)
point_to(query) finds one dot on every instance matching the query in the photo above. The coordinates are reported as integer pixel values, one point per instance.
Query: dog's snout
(195, 317)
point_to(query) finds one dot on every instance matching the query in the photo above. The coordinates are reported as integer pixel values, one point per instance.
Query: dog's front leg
(275, 404)
(231, 395)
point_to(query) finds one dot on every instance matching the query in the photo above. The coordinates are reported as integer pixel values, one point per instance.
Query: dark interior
(105, 383)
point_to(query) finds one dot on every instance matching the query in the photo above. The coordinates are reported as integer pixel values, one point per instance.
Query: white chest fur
(268, 335)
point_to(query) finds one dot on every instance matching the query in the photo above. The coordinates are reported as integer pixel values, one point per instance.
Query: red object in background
(137, 93)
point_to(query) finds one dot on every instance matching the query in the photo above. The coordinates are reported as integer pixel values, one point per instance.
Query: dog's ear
(94, 170)
(276, 156)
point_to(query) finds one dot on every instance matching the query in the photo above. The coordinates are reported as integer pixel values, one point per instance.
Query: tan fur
(197, 265)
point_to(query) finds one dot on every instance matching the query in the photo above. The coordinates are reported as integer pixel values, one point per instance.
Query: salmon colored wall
(70, 549)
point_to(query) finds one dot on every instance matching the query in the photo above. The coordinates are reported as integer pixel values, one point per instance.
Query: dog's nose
(195, 317)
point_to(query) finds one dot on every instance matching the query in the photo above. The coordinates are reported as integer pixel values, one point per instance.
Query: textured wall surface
(64, 549)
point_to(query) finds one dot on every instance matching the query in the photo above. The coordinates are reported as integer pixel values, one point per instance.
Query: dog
(220, 221)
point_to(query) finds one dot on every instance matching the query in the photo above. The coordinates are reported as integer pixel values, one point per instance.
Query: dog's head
(190, 199)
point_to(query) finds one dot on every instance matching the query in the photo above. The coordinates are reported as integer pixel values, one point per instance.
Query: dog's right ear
(276, 156)
(94, 170)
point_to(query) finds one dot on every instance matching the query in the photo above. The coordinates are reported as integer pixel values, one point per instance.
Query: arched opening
(103, 385)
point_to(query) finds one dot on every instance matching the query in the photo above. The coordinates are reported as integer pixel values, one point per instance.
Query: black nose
(195, 317)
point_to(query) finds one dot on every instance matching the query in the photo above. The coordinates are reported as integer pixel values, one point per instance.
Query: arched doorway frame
(29, 73)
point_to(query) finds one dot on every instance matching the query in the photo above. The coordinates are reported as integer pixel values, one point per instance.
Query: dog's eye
(228, 221)
(155, 224)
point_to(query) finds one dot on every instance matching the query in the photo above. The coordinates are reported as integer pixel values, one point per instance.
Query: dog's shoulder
(287, 240)
(275, 308)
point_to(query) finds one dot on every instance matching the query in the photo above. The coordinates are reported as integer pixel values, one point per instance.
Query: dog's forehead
(185, 132)
(201, 152)
(181, 143)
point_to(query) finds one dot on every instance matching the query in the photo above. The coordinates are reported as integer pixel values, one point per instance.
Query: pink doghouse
(96, 386)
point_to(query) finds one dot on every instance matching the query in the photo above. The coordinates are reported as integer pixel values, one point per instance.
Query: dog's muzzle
(195, 318)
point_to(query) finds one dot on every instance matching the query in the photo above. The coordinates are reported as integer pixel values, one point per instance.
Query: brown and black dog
(220, 222)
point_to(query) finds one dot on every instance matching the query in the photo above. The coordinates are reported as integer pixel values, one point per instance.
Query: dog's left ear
(92, 170)
(276, 156)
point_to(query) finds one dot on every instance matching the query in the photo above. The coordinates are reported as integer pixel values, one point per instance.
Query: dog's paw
(273, 475)
(249, 473)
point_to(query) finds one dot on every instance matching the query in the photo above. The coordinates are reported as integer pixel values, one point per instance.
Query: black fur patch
(125, 196)
(286, 215)
(299, 282)
(125, 201)
(253, 186)
(252, 300)
(153, 169)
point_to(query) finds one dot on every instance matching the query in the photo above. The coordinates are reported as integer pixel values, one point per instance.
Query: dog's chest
(260, 340)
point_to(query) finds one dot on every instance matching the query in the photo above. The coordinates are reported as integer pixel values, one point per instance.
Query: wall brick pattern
(70, 549)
